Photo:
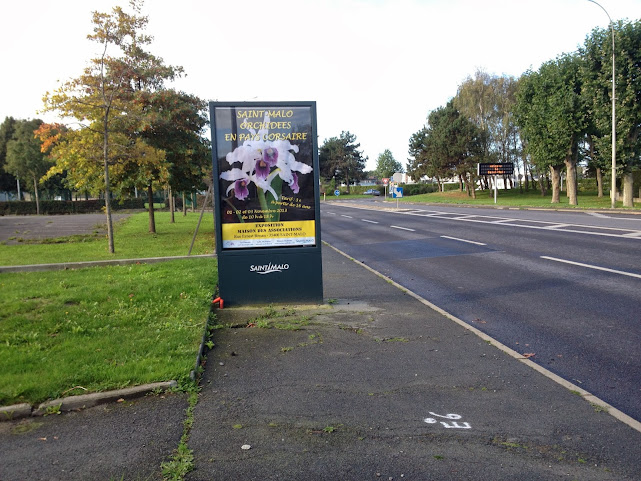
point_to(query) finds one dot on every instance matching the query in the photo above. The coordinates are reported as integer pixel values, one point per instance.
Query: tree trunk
(599, 181)
(105, 152)
(471, 186)
(172, 206)
(152, 219)
(542, 186)
(184, 203)
(555, 173)
(570, 168)
(628, 193)
(35, 189)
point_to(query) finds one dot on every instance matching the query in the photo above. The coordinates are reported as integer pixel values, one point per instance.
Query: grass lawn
(86, 330)
(94, 329)
(131, 240)
(513, 198)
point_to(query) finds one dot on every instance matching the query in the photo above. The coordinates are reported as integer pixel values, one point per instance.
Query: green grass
(131, 239)
(94, 329)
(512, 198)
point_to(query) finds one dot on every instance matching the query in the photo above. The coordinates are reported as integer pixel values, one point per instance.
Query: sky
(375, 68)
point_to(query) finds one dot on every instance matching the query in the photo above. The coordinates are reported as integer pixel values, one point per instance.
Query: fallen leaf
(42, 439)
(121, 400)
(529, 354)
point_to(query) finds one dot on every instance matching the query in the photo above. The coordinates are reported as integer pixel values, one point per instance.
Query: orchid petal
(233, 174)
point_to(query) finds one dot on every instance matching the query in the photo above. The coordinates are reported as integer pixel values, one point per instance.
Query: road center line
(463, 240)
(370, 221)
(348, 216)
(613, 271)
(402, 228)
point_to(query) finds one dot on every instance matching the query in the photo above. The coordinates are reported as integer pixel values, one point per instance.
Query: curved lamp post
(613, 188)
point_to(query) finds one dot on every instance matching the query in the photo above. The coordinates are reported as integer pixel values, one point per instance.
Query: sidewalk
(378, 386)
(372, 385)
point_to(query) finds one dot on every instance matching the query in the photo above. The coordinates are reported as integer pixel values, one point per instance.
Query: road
(563, 288)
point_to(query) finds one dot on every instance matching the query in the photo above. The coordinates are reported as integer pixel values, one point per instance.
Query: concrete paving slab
(389, 390)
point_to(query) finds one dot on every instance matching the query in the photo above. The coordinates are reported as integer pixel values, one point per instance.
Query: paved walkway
(372, 385)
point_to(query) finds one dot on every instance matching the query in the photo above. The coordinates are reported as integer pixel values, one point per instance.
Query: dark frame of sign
(267, 205)
(504, 168)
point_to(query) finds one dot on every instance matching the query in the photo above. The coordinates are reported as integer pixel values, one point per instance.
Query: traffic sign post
(397, 193)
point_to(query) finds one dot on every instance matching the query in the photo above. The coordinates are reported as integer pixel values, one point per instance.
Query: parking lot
(15, 229)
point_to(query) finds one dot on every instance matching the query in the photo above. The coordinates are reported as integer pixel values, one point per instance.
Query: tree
(340, 159)
(552, 119)
(450, 145)
(24, 155)
(387, 165)
(488, 101)
(597, 79)
(105, 98)
(7, 129)
(175, 123)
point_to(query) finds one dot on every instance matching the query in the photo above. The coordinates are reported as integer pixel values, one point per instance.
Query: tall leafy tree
(488, 101)
(387, 165)
(24, 155)
(104, 99)
(552, 119)
(449, 146)
(7, 180)
(597, 76)
(175, 123)
(341, 159)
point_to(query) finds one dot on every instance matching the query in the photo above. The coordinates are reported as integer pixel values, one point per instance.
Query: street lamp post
(614, 133)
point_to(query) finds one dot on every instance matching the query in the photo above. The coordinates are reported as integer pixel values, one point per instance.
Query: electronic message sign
(505, 168)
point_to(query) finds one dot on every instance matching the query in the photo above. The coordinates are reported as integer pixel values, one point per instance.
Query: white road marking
(402, 228)
(348, 216)
(370, 221)
(522, 223)
(580, 264)
(463, 240)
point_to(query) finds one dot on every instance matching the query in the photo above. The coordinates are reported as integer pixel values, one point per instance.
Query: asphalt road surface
(14, 228)
(563, 288)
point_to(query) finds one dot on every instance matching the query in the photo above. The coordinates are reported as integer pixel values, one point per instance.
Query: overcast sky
(375, 67)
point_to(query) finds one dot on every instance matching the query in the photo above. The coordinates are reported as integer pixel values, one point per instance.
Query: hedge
(52, 207)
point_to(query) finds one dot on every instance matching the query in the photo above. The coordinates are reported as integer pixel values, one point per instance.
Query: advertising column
(265, 165)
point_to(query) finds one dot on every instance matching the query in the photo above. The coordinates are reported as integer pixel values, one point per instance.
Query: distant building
(402, 178)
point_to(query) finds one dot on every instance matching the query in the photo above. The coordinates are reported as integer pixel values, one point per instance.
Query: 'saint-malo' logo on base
(268, 268)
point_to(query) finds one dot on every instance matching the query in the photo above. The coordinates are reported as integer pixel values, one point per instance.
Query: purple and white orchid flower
(254, 160)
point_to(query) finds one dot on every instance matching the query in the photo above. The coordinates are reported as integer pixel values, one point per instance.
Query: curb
(75, 403)
(79, 265)
(585, 395)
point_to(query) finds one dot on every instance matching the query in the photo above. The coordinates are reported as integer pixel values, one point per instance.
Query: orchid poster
(264, 168)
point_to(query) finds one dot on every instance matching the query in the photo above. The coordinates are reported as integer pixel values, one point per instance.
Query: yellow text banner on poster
(269, 234)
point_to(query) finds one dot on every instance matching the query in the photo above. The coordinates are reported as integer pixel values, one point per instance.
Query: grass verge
(514, 198)
(95, 329)
(131, 238)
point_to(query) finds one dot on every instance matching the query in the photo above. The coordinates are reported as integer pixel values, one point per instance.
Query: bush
(53, 207)
(417, 189)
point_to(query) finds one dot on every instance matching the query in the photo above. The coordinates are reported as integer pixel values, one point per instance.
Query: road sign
(505, 168)
(385, 180)
(337, 192)
(397, 192)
